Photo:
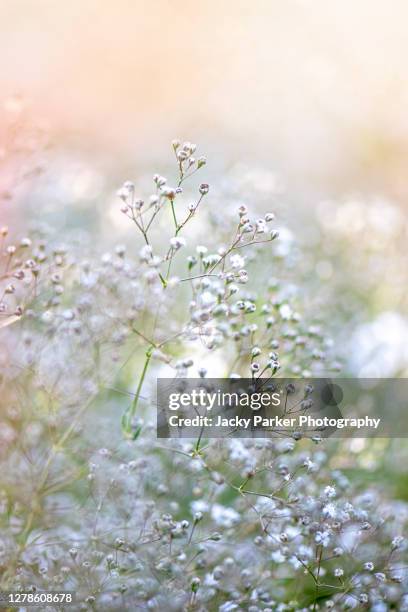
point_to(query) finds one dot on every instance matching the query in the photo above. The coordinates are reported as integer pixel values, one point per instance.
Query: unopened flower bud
(195, 584)
(204, 188)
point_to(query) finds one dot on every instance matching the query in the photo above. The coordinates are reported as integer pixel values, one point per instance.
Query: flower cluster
(126, 521)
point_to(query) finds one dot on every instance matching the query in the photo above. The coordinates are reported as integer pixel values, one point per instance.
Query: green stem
(197, 446)
(131, 411)
(163, 280)
(174, 215)
(141, 380)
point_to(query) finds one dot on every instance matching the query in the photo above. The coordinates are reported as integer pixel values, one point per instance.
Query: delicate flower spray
(130, 522)
(213, 277)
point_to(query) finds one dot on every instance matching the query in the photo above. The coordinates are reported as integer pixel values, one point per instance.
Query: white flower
(199, 505)
(350, 603)
(145, 252)
(159, 180)
(242, 277)
(173, 281)
(68, 314)
(238, 452)
(177, 242)
(208, 298)
(397, 541)
(123, 193)
(154, 262)
(169, 192)
(329, 511)
(47, 316)
(201, 250)
(277, 556)
(285, 311)
(330, 492)
(323, 538)
(228, 606)
(223, 516)
(237, 262)
(261, 227)
(309, 465)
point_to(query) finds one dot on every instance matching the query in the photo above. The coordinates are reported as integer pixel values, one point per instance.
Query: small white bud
(177, 242)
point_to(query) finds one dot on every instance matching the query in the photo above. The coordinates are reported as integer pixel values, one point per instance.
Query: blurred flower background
(300, 107)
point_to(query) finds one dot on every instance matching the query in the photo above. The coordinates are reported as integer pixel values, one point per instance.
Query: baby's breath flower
(397, 542)
(237, 262)
(95, 334)
(177, 242)
(159, 180)
(169, 192)
(323, 538)
(204, 188)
